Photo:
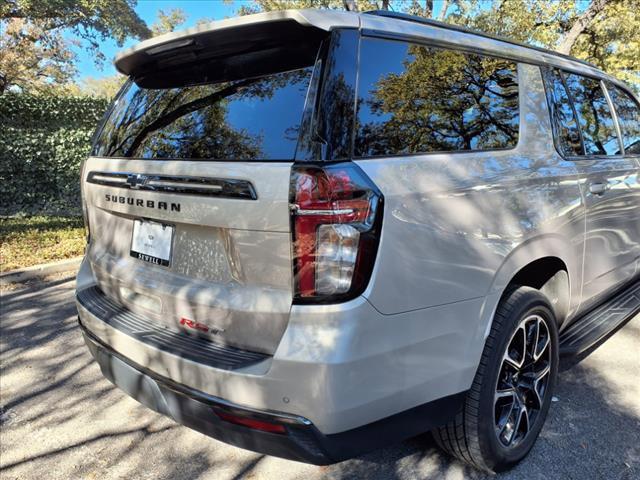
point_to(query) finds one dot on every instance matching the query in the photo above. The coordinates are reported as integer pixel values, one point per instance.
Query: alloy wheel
(522, 381)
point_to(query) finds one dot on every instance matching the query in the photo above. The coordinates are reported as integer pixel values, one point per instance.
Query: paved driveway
(61, 419)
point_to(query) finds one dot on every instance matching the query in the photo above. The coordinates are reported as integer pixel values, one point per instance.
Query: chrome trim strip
(219, 187)
(299, 211)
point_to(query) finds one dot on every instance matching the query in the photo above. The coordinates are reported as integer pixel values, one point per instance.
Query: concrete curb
(37, 271)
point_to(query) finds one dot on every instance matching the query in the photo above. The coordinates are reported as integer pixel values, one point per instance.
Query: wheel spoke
(505, 426)
(541, 346)
(533, 336)
(500, 394)
(542, 373)
(522, 422)
(540, 384)
(517, 349)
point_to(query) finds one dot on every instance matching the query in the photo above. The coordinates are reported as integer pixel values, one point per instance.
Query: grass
(29, 241)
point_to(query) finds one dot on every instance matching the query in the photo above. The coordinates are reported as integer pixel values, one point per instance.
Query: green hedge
(43, 141)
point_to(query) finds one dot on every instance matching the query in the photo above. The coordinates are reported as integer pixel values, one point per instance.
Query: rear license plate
(152, 242)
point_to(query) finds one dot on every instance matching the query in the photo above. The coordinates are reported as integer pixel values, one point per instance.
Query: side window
(417, 99)
(628, 112)
(595, 119)
(562, 115)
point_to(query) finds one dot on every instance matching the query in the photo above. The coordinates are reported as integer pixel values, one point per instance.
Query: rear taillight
(336, 215)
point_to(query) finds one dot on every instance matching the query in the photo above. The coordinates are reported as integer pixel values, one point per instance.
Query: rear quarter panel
(459, 226)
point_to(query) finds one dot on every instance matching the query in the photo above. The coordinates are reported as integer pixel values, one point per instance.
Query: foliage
(33, 65)
(612, 42)
(35, 240)
(34, 54)
(90, 20)
(604, 32)
(270, 5)
(44, 140)
(105, 87)
(604, 40)
(168, 21)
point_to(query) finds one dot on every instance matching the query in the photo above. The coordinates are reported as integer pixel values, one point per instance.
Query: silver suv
(312, 233)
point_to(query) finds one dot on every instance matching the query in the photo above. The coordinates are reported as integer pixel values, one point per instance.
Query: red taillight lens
(252, 423)
(336, 215)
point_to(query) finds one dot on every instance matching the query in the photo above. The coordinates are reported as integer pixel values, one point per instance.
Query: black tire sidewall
(530, 302)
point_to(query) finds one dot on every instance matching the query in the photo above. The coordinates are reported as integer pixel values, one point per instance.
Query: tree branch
(428, 8)
(350, 5)
(185, 109)
(580, 25)
(443, 10)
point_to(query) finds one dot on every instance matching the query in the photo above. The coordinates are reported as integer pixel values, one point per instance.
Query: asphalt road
(62, 419)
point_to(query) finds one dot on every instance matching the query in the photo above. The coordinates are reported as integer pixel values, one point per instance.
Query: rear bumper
(343, 367)
(301, 440)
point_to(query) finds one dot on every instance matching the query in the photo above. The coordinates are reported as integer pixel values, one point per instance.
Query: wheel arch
(534, 263)
(549, 275)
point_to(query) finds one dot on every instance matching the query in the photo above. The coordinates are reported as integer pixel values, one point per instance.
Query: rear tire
(508, 402)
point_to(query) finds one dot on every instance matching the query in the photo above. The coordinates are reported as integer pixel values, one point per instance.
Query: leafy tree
(168, 21)
(271, 5)
(32, 64)
(35, 56)
(90, 20)
(596, 33)
(604, 32)
(105, 87)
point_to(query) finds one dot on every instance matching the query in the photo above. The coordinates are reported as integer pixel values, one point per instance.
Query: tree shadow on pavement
(61, 418)
(591, 432)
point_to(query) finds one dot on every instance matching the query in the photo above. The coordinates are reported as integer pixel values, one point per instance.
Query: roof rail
(435, 23)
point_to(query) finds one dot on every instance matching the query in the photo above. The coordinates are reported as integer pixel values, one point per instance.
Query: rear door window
(562, 115)
(594, 116)
(418, 99)
(246, 119)
(628, 113)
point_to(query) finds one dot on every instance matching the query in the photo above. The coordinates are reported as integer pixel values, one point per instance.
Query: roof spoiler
(213, 40)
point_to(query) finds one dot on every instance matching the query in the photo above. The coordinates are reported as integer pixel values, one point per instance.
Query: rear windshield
(247, 119)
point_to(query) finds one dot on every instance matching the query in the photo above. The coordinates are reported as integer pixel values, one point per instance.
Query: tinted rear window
(249, 119)
(418, 99)
(594, 116)
(562, 115)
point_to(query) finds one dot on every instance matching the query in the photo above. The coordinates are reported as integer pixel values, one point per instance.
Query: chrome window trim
(614, 115)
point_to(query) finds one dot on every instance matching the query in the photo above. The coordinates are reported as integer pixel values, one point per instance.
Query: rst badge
(201, 327)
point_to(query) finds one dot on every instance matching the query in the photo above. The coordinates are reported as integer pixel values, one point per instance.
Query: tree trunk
(580, 25)
(443, 10)
(350, 5)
